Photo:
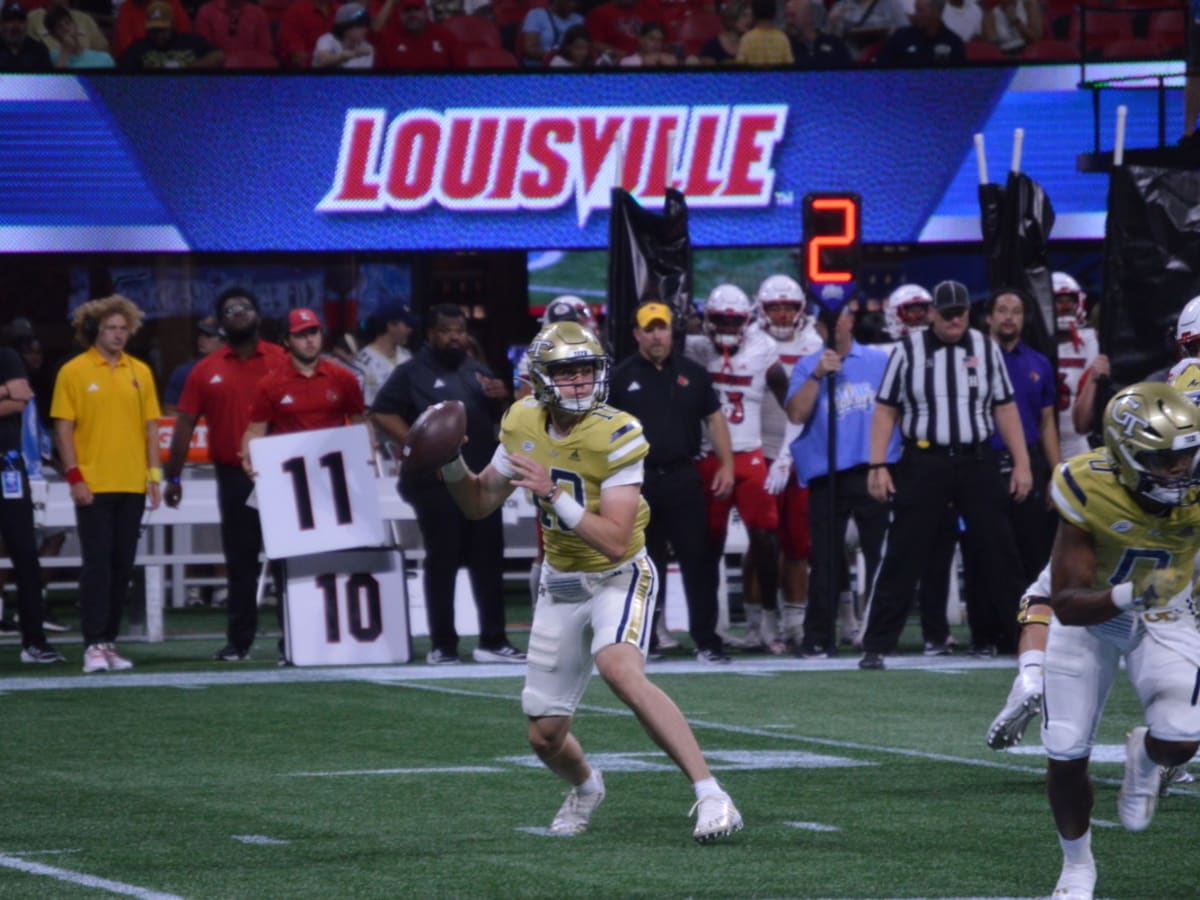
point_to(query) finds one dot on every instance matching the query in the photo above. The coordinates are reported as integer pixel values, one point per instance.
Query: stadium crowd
(441, 35)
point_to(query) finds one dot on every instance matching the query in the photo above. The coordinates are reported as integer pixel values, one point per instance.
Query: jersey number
(1160, 558)
(737, 409)
(567, 480)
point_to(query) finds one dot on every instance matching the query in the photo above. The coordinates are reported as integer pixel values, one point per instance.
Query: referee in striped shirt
(948, 389)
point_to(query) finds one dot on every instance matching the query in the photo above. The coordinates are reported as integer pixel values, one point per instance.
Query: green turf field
(188, 778)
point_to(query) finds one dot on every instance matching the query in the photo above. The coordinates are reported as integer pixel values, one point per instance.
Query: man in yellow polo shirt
(105, 412)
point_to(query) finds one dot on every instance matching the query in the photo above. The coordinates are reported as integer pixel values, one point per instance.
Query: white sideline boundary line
(10, 861)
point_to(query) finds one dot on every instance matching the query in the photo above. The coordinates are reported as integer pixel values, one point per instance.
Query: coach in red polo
(221, 387)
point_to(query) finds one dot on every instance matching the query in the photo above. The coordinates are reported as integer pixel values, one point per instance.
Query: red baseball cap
(302, 320)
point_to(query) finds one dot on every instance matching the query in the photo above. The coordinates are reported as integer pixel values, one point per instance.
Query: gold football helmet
(556, 357)
(1152, 433)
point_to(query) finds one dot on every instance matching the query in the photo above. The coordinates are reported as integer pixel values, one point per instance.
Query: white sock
(594, 784)
(707, 787)
(1030, 664)
(1077, 852)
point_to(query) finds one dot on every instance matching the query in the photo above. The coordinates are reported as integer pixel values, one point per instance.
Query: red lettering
(699, 184)
(555, 169)
(635, 153)
(747, 152)
(462, 180)
(594, 148)
(354, 186)
(510, 154)
(414, 159)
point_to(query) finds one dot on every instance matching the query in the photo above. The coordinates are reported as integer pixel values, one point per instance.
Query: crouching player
(1121, 587)
(582, 461)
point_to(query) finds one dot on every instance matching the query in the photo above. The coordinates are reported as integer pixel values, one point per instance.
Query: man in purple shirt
(1034, 390)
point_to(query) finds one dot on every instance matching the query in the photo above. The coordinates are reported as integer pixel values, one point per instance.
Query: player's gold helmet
(1152, 433)
(566, 347)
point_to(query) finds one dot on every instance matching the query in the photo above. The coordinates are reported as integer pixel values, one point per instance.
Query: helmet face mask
(908, 309)
(727, 314)
(1152, 433)
(1187, 328)
(1070, 310)
(782, 306)
(558, 357)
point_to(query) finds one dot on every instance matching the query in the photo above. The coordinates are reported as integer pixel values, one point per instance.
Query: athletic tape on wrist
(568, 509)
(1122, 596)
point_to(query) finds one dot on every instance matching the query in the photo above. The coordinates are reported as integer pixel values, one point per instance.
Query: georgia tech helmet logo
(1125, 417)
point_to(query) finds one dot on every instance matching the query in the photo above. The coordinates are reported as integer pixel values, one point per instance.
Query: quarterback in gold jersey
(1121, 586)
(582, 461)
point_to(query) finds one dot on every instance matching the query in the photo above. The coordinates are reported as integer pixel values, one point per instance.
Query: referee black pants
(677, 516)
(926, 480)
(452, 540)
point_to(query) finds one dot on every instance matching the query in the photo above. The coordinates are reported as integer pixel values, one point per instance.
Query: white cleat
(1021, 708)
(576, 812)
(1169, 775)
(1139, 789)
(716, 817)
(1077, 882)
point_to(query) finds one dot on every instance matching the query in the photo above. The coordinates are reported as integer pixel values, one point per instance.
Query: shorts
(756, 507)
(795, 542)
(578, 614)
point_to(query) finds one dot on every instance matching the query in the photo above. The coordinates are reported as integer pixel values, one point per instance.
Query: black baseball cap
(949, 295)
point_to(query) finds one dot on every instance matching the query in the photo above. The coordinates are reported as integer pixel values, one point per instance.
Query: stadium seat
(250, 59)
(983, 51)
(275, 10)
(1167, 27)
(1100, 29)
(488, 58)
(1050, 50)
(697, 30)
(473, 31)
(1134, 48)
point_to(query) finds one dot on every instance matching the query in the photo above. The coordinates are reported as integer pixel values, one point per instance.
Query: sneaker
(776, 647)
(655, 655)
(506, 654)
(982, 650)
(871, 661)
(8, 628)
(220, 597)
(116, 662)
(50, 622)
(1169, 775)
(230, 653)
(932, 649)
(194, 598)
(716, 817)
(1021, 708)
(817, 651)
(1139, 789)
(95, 659)
(575, 813)
(663, 635)
(1076, 882)
(713, 657)
(436, 657)
(41, 653)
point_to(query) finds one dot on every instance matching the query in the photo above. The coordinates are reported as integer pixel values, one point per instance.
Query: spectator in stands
(346, 46)
(736, 19)
(302, 25)
(650, 50)
(90, 35)
(235, 26)
(131, 23)
(165, 48)
(811, 47)
(105, 412)
(221, 388)
(964, 18)
(70, 51)
(18, 51)
(391, 326)
(616, 25)
(441, 370)
(765, 44)
(926, 42)
(863, 24)
(1012, 24)
(208, 339)
(575, 51)
(414, 42)
(544, 29)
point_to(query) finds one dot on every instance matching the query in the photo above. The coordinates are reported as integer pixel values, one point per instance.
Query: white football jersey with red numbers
(804, 342)
(1074, 357)
(741, 382)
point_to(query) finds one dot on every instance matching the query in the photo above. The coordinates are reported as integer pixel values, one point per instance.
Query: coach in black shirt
(672, 396)
(947, 388)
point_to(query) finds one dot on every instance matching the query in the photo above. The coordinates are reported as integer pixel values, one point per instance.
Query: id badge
(10, 480)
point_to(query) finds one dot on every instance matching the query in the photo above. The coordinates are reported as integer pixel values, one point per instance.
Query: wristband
(881, 465)
(74, 476)
(455, 470)
(1122, 596)
(154, 475)
(568, 509)
(174, 479)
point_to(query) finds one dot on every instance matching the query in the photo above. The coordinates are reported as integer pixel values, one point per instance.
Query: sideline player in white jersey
(1079, 361)
(781, 315)
(1121, 588)
(909, 308)
(582, 461)
(744, 364)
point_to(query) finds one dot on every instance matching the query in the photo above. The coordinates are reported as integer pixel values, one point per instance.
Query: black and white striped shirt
(946, 392)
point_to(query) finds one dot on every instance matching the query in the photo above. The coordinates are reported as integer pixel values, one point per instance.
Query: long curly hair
(88, 317)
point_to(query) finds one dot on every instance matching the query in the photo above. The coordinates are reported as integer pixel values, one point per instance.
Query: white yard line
(11, 861)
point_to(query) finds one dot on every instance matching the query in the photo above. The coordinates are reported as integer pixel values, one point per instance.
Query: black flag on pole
(649, 258)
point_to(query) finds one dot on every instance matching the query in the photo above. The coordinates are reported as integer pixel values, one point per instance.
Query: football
(436, 436)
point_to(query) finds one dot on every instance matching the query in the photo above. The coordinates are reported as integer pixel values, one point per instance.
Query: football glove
(778, 475)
